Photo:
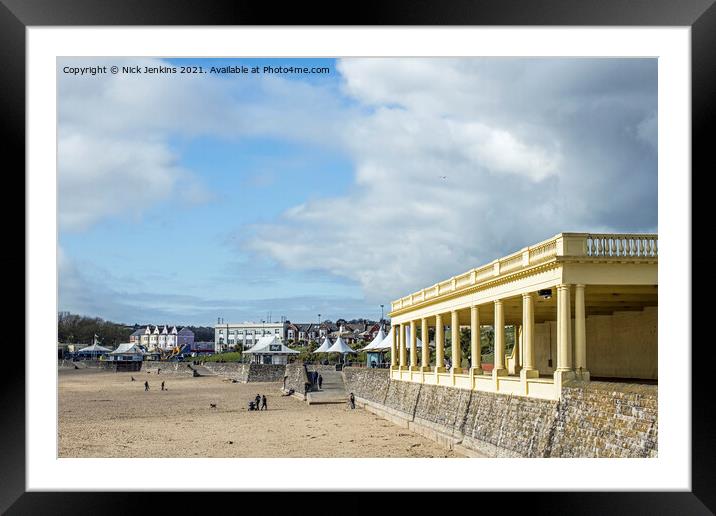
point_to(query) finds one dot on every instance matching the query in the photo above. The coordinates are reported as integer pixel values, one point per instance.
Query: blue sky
(204, 196)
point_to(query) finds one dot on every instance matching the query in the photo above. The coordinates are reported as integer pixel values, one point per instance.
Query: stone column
(413, 347)
(425, 337)
(394, 347)
(455, 337)
(475, 345)
(499, 368)
(580, 334)
(401, 344)
(439, 345)
(564, 366)
(528, 336)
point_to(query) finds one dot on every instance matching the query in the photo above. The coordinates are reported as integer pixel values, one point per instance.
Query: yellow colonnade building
(581, 306)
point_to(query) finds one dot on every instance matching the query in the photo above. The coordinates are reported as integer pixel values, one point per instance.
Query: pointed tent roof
(384, 344)
(339, 346)
(128, 347)
(94, 348)
(376, 341)
(165, 330)
(324, 347)
(387, 342)
(269, 346)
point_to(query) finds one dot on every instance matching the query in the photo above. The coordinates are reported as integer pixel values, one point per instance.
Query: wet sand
(104, 414)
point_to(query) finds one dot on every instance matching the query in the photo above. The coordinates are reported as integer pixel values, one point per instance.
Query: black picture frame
(700, 15)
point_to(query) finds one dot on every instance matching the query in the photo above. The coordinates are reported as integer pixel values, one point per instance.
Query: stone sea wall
(83, 364)
(500, 425)
(266, 373)
(232, 370)
(600, 419)
(593, 419)
(320, 367)
(247, 373)
(372, 384)
(297, 379)
(169, 368)
(442, 409)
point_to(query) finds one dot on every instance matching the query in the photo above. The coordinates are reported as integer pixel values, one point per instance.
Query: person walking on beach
(146, 386)
(352, 400)
(162, 385)
(263, 403)
(258, 401)
(320, 381)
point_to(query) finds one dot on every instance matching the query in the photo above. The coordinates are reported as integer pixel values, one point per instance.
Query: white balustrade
(570, 244)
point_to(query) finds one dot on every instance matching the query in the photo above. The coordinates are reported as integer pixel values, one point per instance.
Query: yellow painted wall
(544, 333)
(622, 345)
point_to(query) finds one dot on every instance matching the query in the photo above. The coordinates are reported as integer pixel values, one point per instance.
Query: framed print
(413, 250)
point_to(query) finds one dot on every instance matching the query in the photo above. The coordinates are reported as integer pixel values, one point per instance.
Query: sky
(187, 197)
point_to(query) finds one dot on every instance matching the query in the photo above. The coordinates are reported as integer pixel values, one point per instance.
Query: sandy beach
(105, 414)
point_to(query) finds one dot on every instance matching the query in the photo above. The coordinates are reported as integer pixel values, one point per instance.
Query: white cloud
(458, 162)
(101, 176)
(115, 151)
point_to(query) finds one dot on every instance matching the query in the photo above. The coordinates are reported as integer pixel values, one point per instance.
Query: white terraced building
(165, 339)
(245, 335)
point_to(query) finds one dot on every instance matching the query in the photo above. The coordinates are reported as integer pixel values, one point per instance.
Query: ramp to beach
(332, 391)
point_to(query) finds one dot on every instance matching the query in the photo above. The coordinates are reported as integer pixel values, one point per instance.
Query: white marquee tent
(387, 342)
(94, 349)
(325, 346)
(339, 346)
(270, 350)
(376, 341)
(127, 352)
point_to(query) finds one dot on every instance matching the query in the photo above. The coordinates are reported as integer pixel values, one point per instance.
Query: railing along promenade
(610, 246)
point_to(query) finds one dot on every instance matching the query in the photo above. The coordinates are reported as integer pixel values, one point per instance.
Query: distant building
(127, 357)
(164, 339)
(303, 333)
(244, 335)
(202, 347)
